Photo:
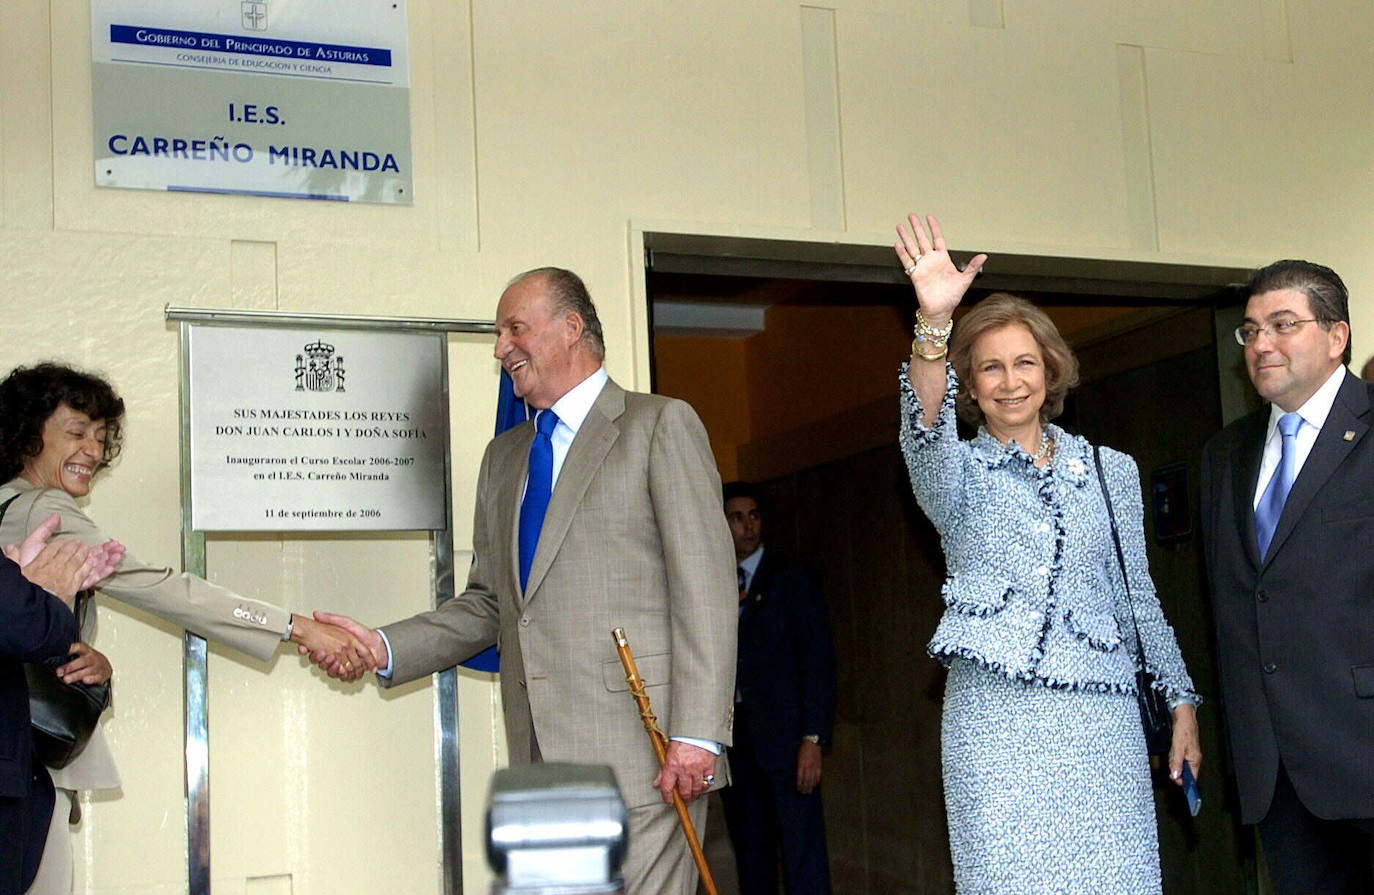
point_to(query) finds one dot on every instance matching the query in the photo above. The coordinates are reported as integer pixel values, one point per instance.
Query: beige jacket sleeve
(464, 626)
(215, 613)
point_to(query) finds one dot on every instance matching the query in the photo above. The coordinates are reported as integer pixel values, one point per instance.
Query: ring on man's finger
(709, 780)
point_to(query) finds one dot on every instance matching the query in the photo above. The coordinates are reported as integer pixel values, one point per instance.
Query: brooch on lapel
(1075, 466)
(1349, 435)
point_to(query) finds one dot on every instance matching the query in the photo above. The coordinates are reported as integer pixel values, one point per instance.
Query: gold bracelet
(916, 352)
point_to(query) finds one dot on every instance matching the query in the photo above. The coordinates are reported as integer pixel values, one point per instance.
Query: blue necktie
(1270, 506)
(538, 487)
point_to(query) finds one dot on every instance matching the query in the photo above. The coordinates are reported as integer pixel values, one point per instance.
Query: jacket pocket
(1364, 680)
(1098, 630)
(972, 595)
(654, 669)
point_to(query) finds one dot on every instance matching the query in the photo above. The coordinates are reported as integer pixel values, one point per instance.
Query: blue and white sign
(305, 99)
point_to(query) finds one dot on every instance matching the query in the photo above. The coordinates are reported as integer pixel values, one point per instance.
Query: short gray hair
(569, 294)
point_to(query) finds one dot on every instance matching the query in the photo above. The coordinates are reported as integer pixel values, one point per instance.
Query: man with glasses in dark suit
(1288, 525)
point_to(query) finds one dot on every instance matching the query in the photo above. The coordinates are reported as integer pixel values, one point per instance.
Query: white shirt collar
(1317, 408)
(572, 408)
(750, 564)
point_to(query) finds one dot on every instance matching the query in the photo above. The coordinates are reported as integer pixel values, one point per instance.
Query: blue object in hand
(1190, 790)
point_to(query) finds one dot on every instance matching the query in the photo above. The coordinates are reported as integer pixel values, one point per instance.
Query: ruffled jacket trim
(1010, 627)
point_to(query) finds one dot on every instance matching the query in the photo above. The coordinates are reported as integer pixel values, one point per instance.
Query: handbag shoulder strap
(1120, 556)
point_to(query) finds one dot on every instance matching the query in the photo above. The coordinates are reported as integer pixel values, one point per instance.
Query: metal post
(195, 698)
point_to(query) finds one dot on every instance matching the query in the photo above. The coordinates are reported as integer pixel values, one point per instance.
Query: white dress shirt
(1314, 414)
(572, 410)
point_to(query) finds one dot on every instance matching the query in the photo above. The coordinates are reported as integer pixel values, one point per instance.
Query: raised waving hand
(940, 285)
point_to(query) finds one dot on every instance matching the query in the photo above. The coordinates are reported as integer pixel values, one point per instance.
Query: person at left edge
(59, 429)
(633, 537)
(36, 623)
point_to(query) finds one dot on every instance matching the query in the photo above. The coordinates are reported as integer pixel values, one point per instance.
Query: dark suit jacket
(786, 666)
(1295, 630)
(34, 625)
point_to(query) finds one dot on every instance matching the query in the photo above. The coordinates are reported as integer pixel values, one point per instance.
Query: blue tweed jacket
(1034, 589)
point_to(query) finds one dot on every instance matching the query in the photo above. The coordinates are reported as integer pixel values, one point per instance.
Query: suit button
(1262, 596)
(1270, 668)
(524, 621)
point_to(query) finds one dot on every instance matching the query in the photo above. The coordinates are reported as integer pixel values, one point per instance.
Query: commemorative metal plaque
(316, 430)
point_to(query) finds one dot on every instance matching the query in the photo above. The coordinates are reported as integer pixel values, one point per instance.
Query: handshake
(343, 648)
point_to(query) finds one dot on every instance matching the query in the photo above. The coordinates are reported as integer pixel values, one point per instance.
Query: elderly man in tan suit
(633, 537)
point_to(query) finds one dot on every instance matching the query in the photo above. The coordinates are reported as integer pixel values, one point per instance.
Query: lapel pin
(1349, 435)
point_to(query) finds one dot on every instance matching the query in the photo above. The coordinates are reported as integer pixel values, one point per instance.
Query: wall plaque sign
(317, 430)
(303, 99)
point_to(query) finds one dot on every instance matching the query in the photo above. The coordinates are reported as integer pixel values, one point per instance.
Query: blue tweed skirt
(1047, 791)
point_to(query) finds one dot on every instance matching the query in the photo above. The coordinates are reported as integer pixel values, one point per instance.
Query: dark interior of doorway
(1157, 381)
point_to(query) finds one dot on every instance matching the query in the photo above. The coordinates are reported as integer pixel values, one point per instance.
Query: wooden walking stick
(659, 740)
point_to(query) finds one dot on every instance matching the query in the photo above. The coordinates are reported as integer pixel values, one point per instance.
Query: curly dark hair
(29, 395)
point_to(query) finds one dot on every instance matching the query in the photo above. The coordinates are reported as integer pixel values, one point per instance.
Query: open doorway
(789, 352)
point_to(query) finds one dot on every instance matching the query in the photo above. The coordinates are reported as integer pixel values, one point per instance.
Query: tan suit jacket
(214, 612)
(634, 537)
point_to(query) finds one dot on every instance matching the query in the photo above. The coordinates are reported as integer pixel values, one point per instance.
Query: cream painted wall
(1231, 132)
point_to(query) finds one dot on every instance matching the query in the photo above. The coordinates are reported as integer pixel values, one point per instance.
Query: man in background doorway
(1287, 520)
(784, 714)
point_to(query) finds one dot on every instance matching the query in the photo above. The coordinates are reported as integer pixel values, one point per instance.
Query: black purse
(1155, 717)
(62, 716)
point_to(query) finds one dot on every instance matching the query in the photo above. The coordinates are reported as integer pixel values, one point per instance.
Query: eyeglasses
(1281, 329)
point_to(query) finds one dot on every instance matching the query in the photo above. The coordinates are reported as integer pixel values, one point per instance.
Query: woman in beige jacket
(59, 428)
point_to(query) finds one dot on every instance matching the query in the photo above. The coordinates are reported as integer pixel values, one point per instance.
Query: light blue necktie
(538, 488)
(1270, 506)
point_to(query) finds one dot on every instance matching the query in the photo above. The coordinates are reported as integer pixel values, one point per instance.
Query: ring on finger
(910, 270)
(709, 780)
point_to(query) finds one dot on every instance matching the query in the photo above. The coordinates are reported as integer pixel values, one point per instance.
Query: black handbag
(1155, 718)
(62, 716)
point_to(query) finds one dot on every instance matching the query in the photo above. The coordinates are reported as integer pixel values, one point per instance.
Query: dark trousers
(1311, 856)
(23, 832)
(768, 818)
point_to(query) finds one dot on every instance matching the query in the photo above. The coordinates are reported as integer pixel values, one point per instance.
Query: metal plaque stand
(197, 732)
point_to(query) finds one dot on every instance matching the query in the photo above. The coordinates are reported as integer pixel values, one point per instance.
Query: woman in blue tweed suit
(1047, 785)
